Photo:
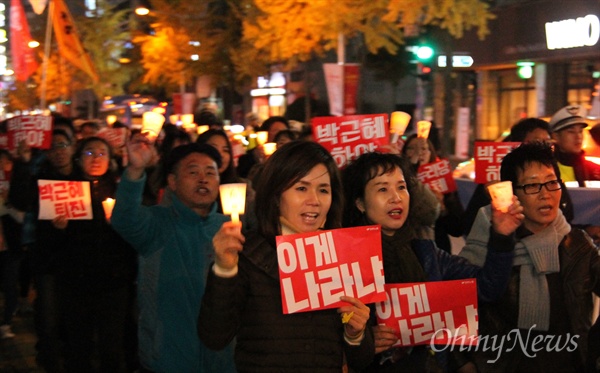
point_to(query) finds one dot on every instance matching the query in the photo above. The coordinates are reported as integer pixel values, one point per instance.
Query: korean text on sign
(35, 130)
(67, 198)
(488, 157)
(350, 136)
(317, 268)
(437, 176)
(438, 312)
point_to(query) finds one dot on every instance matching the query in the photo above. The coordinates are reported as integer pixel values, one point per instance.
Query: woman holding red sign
(299, 191)
(378, 189)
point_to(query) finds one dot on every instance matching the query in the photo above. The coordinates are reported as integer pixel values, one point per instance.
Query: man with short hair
(175, 247)
(555, 271)
(567, 127)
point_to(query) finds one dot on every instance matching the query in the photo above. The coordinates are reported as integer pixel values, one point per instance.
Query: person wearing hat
(567, 127)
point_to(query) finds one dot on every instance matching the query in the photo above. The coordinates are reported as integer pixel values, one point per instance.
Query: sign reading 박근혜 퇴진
(436, 312)
(317, 268)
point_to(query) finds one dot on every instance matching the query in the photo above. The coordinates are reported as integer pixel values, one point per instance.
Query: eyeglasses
(535, 188)
(90, 154)
(60, 145)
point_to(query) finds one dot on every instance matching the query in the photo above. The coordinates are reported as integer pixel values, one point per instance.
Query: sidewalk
(17, 355)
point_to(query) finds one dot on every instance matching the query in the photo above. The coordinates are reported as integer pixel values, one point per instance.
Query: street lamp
(142, 11)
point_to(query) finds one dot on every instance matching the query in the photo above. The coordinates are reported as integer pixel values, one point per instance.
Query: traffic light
(424, 53)
(525, 69)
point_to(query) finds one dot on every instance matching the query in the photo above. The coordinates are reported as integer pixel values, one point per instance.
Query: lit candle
(201, 129)
(108, 205)
(398, 124)
(233, 199)
(152, 124)
(423, 127)
(269, 148)
(262, 137)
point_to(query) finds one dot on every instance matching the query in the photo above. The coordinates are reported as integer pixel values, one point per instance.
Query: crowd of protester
(167, 283)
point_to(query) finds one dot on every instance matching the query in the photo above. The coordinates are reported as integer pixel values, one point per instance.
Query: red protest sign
(36, 130)
(316, 268)
(3, 141)
(439, 312)
(348, 137)
(437, 176)
(71, 199)
(116, 137)
(488, 157)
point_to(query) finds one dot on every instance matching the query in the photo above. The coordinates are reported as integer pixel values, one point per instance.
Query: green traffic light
(525, 69)
(424, 52)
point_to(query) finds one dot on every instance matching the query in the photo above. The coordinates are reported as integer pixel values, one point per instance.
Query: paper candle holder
(233, 199)
(152, 124)
(108, 205)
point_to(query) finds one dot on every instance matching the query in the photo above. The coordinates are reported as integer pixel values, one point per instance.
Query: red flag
(69, 45)
(23, 57)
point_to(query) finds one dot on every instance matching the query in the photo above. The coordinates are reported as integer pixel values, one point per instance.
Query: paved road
(17, 355)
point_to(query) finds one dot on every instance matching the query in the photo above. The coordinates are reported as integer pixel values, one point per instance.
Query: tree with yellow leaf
(292, 31)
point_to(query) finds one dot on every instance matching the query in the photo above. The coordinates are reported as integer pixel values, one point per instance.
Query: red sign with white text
(488, 157)
(442, 312)
(348, 137)
(317, 268)
(437, 176)
(36, 130)
(71, 199)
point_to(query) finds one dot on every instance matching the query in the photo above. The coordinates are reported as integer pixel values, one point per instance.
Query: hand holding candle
(233, 200)
(152, 124)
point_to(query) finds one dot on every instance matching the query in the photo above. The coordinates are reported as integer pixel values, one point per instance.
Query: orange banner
(69, 45)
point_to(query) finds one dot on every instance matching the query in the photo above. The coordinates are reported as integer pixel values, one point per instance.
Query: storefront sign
(573, 33)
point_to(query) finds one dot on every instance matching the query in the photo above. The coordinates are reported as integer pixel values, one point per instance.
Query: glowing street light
(142, 11)
(33, 44)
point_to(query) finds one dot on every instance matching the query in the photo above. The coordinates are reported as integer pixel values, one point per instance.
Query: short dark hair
(286, 133)
(523, 155)
(182, 151)
(281, 171)
(84, 142)
(266, 125)
(362, 170)
(519, 131)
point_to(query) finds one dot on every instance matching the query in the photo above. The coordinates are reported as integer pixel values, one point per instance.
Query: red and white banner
(439, 312)
(23, 57)
(317, 268)
(342, 87)
(36, 130)
(488, 157)
(116, 137)
(346, 138)
(437, 176)
(71, 199)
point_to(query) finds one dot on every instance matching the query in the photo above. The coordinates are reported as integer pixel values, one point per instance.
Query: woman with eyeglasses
(96, 269)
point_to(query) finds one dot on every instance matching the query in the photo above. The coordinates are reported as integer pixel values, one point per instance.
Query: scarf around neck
(536, 255)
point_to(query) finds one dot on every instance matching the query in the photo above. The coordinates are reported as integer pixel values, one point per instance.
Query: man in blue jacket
(175, 247)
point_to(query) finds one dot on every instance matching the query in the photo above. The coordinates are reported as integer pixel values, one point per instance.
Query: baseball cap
(568, 116)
